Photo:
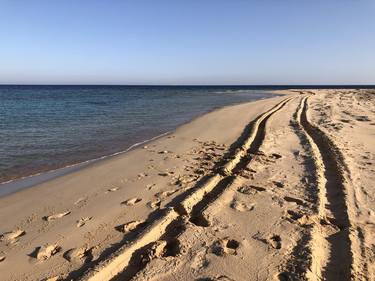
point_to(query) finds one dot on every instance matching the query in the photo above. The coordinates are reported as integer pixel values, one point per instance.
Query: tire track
(330, 240)
(161, 235)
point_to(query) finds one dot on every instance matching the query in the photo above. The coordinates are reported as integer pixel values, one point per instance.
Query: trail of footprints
(205, 151)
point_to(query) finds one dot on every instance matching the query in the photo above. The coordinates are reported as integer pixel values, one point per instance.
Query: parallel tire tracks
(191, 206)
(330, 242)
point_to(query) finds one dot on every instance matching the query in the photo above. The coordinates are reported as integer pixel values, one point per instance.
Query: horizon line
(191, 85)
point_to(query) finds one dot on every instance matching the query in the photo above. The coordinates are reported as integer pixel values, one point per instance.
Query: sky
(264, 42)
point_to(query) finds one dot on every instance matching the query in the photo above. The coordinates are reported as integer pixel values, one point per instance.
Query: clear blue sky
(187, 42)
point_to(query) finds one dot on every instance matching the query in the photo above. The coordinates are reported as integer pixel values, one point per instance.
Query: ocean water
(47, 127)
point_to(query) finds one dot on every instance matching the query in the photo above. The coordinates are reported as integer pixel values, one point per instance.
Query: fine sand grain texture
(278, 189)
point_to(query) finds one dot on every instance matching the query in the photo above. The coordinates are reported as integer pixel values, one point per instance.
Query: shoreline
(14, 185)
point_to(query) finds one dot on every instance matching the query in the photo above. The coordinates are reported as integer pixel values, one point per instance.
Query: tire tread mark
(331, 250)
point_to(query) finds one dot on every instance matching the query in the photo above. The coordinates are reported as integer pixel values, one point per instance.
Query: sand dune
(278, 189)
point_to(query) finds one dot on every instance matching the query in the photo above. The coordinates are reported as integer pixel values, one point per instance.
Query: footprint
(241, 206)
(346, 121)
(181, 180)
(150, 186)
(2, 258)
(45, 252)
(80, 200)
(165, 194)
(200, 171)
(12, 236)
(275, 241)
(141, 175)
(250, 189)
(82, 221)
(276, 155)
(258, 188)
(79, 255)
(130, 226)
(113, 189)
(154, 204)
(131, 201)
(165, 174)
(56, 216)
(279, 184)
(246, 190)
(225, 246)
(294, 215)
(293, 200)
(363, 118)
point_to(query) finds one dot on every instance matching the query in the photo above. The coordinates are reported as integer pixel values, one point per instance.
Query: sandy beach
(276, 189)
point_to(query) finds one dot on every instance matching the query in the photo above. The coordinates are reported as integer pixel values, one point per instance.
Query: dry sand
(278, 189)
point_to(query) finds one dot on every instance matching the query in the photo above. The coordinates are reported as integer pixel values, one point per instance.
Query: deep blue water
(47, 127)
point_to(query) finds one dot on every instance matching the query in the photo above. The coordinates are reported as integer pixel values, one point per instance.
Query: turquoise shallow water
(47, 127)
